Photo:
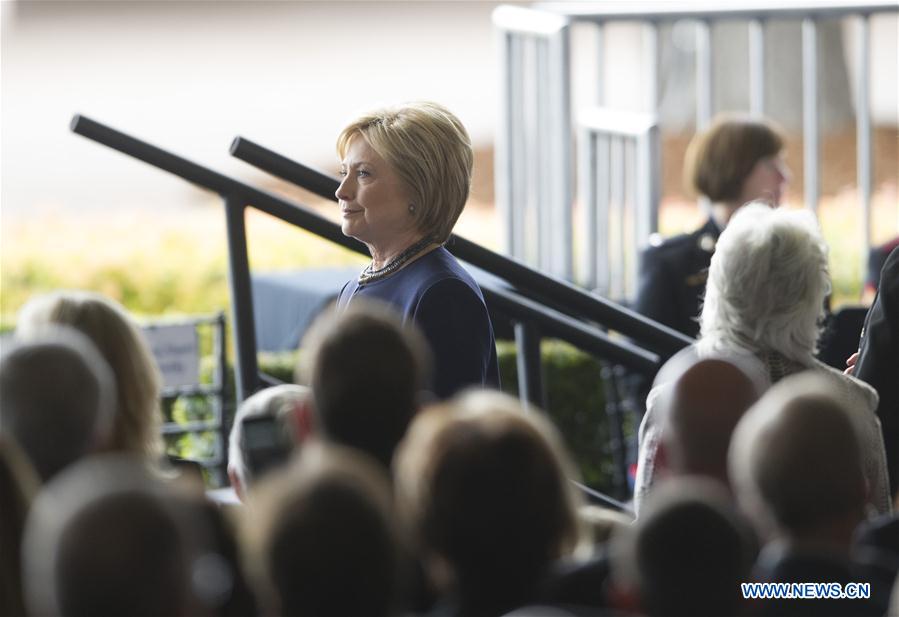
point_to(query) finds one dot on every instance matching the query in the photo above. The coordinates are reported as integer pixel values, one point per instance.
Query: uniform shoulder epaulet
(659, 244)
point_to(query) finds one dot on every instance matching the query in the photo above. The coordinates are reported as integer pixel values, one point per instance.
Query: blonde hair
(430, 150)
(719, 160)
(136, 421)
(766, 286)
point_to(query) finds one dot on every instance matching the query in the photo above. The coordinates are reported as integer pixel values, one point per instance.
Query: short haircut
(795, 458)
(485, 486)
(719, 160)
(430, 150)
(688, 551)
(321, 539)
(135, 425)
(57, 399)
(367, 369)
(277, 403)
(766, 287)
(103, 539)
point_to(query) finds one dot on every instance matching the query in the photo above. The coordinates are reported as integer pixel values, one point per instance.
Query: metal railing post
(653, 159)
(506, 182)
(529, 364)
(810, 111)
(587, 189)
(246, 368)
(617, 213)
(542, 156)
(703, 74)
(631, 226)
(647, 188)
(562, 177)
(603, 158)
(653, 75)
(863, 132)
(756, 67)
(220, 383)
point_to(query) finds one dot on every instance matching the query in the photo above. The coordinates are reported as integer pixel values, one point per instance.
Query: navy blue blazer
(446, 303)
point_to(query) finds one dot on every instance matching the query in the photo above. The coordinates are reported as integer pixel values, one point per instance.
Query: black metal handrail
(561, 295)
(533, 317)
(555, 324)
(538, 305)
(238, 195)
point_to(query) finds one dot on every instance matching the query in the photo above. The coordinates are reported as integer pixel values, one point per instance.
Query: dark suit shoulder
(702, 239)
(659, 246)
(672, 278)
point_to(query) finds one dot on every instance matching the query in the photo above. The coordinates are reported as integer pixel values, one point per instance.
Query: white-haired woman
(406, 175)
(764, 303)
(137, 417)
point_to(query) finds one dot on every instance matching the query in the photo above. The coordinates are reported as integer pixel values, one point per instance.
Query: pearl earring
(411, 208)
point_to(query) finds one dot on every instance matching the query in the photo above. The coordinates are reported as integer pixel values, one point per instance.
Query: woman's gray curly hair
(767, 283)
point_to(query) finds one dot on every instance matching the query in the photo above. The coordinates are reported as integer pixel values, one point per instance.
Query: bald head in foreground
(688, 425)
(796, 464)
(701, 413)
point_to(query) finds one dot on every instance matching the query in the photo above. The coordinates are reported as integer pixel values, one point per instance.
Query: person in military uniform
(737, 160)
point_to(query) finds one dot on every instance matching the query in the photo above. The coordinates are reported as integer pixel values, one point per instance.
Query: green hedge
(572, 382)
(575, 402)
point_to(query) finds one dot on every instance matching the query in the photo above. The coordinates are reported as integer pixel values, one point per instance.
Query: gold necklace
(370, 275)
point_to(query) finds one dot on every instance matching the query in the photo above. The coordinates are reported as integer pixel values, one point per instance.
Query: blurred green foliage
(573, 386)
(576, 403)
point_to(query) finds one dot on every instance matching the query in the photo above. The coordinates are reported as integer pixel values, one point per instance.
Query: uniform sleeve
(457, 326)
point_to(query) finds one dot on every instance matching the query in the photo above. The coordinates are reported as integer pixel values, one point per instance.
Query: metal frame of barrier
(519, 24)
(534, 191)
(545, 306)
(610, 143)
(216, 391)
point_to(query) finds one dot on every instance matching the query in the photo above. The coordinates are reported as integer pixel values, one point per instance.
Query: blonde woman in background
(137, 417)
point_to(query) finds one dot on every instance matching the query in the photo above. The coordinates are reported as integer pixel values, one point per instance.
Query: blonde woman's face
(374, 201)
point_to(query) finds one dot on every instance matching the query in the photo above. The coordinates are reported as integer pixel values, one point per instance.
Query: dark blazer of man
(878, 361)
(672, 278)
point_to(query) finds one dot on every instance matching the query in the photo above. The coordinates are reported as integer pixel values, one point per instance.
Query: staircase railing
(538, 304)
